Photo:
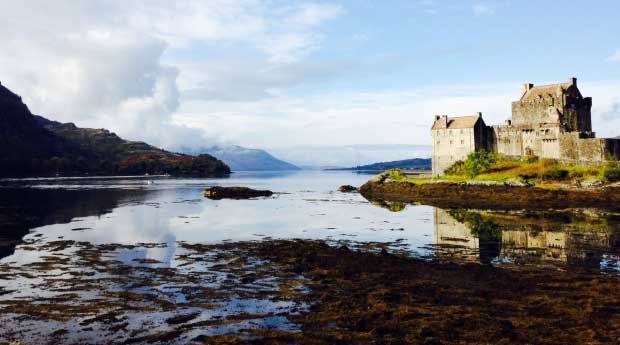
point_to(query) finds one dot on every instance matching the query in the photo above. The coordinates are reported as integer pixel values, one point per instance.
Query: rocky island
(546, 156)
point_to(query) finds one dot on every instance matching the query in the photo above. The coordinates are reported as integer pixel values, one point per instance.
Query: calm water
(306, 205)
(60, 236)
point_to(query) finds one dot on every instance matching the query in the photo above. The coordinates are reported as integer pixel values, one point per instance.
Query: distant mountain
(244, 159)
(349, 155)
(35, 146)
(406, 164)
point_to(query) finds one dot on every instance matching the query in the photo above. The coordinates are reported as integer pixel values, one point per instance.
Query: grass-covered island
(493, 181)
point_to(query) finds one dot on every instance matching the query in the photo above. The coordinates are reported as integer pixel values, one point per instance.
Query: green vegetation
(492, 167)
(486, 166)
(611, 172)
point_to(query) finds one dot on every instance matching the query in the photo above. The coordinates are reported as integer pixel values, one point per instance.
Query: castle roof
(445, 122)
(533, 93)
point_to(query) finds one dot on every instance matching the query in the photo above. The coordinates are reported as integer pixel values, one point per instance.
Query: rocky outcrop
(489, 196)
(217, 193)
(347, 189)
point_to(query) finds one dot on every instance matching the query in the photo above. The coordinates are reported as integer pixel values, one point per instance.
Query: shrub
(457, 168)
(532, 159)
(611, 172)
(478, 162)
(395, 174)
(556, 174)
(584, 172)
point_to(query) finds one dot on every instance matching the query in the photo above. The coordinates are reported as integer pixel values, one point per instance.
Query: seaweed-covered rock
(218, 192)
(347, 188)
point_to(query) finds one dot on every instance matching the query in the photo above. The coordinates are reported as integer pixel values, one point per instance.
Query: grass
(497, 168)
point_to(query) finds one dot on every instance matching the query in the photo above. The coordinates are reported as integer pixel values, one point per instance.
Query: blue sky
(287, 75)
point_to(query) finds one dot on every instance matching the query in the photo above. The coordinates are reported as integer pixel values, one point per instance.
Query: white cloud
(292, 125)
(104, 63)
(481, 9)
(340, 118)
(313, 14)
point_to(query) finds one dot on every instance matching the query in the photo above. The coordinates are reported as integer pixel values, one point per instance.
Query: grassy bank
(490, 167)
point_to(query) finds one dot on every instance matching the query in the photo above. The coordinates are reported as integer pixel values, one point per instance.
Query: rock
(378, 178)
(347, 188)
(217, 193)
(518, 182)
(591, 184)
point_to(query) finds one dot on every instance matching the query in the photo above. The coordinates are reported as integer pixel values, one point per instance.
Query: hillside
(405, 164)
(244, 159)
(35, 146)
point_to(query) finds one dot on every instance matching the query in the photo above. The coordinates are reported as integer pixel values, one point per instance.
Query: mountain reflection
(577, 239)
(22, 209)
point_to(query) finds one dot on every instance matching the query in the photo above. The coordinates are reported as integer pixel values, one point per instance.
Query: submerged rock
(218, 192)
(347, 188)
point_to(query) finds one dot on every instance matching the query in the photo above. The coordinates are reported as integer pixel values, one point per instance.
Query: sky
(291, 75)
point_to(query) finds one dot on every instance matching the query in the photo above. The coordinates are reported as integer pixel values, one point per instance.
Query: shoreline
(491, 195)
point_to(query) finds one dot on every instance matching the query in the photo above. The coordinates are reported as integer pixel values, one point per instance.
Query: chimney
(508, 122)
(444, 119)
(479, 114)
(573, 81)
(527, 87)
(437, 117)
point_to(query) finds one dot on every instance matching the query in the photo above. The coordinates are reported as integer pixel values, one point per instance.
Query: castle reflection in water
(580, 239)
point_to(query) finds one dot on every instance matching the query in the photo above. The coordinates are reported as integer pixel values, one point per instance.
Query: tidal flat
(155, 262)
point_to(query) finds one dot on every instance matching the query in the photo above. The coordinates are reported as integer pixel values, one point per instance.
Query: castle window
(462, 142)
(450, 142)
(438, 142)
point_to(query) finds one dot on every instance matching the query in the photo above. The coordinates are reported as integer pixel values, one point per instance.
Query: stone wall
(507, 141)
(588, 150)
(451, 145)
(532, 114)
(454, 144)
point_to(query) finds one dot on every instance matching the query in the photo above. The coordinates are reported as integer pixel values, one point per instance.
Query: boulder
(347, 188)
(217, 193)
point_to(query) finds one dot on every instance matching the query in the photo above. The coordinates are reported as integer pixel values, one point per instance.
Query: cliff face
(32, 145)
(26, 147)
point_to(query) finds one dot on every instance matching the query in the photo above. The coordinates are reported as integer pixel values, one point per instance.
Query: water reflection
(22, 209)
(306, 205)
(575, 239)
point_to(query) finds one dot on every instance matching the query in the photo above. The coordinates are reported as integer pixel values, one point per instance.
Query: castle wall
(507, 141)
(588, 150)
(451, 145)
(550, 148)
(576, 111)
(531, 114)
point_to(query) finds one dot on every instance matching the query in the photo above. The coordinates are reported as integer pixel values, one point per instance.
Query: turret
(573, 81)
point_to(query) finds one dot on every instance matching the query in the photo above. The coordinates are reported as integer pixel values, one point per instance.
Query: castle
(550, 121)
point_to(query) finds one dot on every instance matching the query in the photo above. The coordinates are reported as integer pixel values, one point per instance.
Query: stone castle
(550, 121)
